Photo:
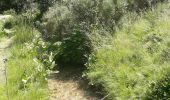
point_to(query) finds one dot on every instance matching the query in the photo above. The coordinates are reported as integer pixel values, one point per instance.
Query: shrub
(9, 23)
(60, 21)
(75, 49)
(43, 6)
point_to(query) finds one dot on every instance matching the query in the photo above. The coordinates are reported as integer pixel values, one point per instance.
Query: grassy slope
(26, 75)
(136, 59)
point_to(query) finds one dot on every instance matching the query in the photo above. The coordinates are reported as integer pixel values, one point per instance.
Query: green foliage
(43, 6)
(161, 90)
(63, 18)
(129, 53)
(5, 28)
(58, 23)
(26, 75)
(11, 4)
(23, 34)
(10, 12)
(1, 29)
(135, 63)
(45, 52)
(74, 49)
(9, 23)
(26, 71)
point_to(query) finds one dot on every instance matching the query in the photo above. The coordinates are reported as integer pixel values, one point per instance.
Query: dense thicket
(68, 18)
(129, 64)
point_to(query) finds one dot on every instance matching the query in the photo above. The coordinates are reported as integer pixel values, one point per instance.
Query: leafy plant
(74, 49)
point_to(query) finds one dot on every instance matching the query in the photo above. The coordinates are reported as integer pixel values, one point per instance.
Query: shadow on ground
(68, 84)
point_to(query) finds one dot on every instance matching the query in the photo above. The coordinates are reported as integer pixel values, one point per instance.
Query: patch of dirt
(5, 43)
(68, 84)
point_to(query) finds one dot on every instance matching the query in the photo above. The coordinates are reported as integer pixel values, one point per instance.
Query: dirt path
(69, 85)
(5, 43)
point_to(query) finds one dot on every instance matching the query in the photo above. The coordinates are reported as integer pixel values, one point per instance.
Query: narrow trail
(68, 84)
(5, 44)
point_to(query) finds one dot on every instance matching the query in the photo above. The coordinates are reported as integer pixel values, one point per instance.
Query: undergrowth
(125, 42)
(26, 74)
(135, 63)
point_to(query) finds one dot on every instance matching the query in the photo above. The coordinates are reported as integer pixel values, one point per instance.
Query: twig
(105, 97)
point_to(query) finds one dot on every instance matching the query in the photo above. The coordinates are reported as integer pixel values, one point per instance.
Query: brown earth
(68, 84)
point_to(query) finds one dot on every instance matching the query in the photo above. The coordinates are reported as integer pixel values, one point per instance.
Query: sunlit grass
(137, 60)
(24, 34)
(26, 77)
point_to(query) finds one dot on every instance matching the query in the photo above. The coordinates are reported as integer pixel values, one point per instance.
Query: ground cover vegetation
(123, 44)
(27, 70)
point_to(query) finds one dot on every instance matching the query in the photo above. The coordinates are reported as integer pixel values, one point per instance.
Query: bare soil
(68, 84)
(5, 43)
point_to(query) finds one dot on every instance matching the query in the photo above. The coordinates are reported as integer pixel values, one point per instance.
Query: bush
(75, 49)
(43, 6)
(57, 23)
(60, 21)
(9, 23)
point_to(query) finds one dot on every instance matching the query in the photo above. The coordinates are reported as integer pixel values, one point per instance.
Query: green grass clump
(24, 34)
(26, 74)
(2, 34)
(136, 63)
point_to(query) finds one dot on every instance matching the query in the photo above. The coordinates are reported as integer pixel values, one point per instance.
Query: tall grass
(136, 60)
(24, 34)
(26, 74)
